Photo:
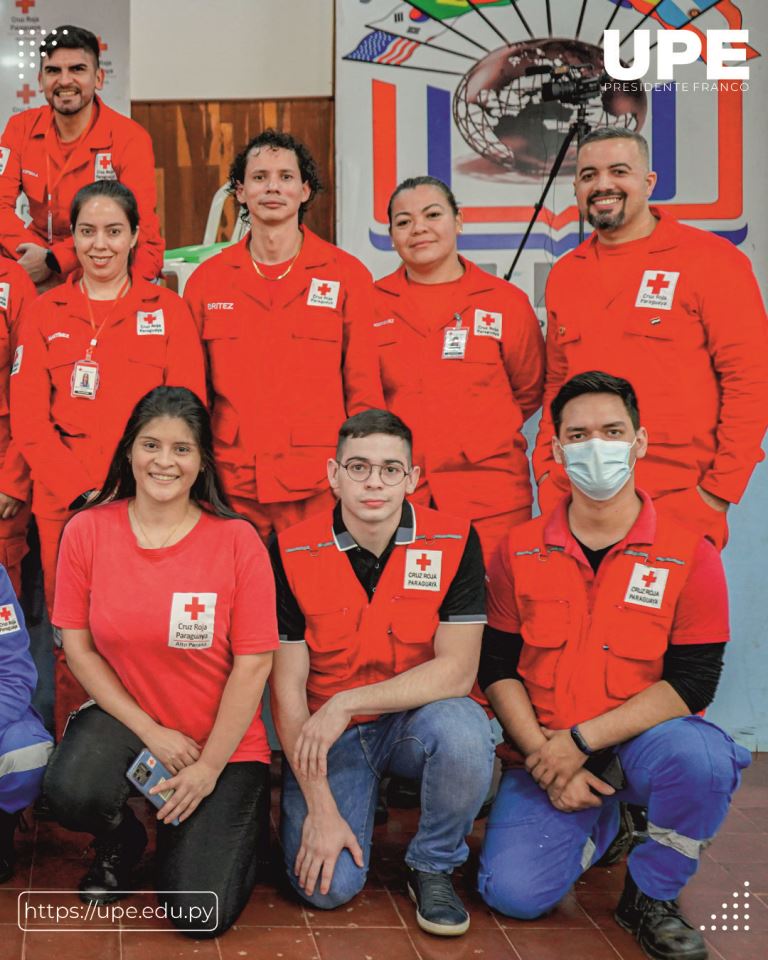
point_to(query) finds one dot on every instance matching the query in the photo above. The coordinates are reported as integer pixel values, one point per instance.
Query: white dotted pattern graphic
(736, 916)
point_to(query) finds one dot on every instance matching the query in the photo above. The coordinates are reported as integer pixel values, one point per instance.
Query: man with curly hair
(286, 320)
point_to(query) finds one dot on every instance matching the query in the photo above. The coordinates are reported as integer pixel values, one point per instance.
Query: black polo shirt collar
(405, 532)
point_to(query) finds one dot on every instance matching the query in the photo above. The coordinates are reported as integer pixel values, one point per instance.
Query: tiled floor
(380, 923)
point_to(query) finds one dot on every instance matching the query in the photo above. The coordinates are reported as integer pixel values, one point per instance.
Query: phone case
(146, 772)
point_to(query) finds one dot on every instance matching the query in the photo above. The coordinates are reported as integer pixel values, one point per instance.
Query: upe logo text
(675, 48)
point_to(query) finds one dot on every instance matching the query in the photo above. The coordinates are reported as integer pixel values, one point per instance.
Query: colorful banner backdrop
(458, 90)
(24, 24)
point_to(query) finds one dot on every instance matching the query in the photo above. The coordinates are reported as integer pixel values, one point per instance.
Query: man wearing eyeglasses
(381, 609)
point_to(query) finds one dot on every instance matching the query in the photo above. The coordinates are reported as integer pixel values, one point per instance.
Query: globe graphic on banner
(501, 113)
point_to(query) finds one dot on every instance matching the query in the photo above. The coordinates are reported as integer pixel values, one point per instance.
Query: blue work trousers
(685, 771)
(447, 745)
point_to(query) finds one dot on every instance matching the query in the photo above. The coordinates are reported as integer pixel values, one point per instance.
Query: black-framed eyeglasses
(360, 470)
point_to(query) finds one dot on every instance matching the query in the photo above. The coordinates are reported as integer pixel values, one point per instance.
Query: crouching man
(381, 609)
(606, 631)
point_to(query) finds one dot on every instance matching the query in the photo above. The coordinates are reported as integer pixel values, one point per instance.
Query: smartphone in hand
(146, 772)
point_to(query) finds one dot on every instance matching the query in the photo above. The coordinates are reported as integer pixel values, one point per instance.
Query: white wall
(231, 49)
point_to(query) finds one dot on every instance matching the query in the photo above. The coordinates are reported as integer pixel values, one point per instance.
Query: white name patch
(657, 290)
(646, 586)
(59, 335)
(220, 305)
(17, 358)
(150, 323)
(8, 620)
(487, 324)
(323, 293)
(5, 152)
(5, 295)
(192, 621)
(422, 569)
(102, 167)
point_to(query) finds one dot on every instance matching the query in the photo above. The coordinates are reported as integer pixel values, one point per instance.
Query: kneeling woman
(165, 600)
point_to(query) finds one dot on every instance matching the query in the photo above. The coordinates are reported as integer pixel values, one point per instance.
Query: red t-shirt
(169, 621)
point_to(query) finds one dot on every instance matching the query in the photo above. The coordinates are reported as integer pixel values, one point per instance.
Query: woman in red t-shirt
(462, 363)
(88, 350)
(165, 600)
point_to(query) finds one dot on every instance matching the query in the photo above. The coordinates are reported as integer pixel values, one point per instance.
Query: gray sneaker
(438, 908)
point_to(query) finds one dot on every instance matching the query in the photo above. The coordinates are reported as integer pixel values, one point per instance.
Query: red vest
(352, 641)
(588, 649)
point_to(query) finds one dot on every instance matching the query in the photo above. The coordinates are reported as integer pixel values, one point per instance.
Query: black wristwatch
(51, 262)
(580, 742)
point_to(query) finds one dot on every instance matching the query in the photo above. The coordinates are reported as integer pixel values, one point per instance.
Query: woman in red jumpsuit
(88, 351)
(462, 363)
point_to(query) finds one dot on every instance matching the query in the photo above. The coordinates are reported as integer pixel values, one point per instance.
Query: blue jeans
(447, 745)
(685, 771)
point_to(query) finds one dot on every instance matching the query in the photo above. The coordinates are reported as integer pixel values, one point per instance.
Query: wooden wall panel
(195, 143)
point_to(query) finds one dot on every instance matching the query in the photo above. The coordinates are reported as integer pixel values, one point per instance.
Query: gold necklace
(144, 532)
(285, 273)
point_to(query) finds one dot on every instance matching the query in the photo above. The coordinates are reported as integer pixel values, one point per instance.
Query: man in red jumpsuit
(286, 320)
(49, 153)
(677, 312)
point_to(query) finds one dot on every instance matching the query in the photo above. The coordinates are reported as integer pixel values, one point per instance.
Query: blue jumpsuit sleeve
(18, 676)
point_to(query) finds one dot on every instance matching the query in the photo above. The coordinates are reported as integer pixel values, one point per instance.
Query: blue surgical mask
(599, 468)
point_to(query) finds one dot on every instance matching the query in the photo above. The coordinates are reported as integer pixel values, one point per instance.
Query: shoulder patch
(9, 622)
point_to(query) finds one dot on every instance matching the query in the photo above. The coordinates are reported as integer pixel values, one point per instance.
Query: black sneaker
(117, 853)
(623, 842)
(659, 927)
(8, 823)
(438, 908)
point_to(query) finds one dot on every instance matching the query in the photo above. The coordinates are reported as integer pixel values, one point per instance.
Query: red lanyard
(96, 333)
(51, 187)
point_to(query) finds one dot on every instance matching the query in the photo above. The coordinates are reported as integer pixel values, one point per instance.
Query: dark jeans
(215, 849)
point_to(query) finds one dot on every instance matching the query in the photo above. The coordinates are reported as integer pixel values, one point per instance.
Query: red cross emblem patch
(646, 586)
(9, 622)
(657, 290)
(323, 293)
(5, 152)
(422, 569)
(487, 324)
(193, 617)
(102, 167)
(150, 323)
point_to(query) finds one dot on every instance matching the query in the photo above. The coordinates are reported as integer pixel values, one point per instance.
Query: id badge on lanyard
(85, 376)
(455, 340)
(85, 379)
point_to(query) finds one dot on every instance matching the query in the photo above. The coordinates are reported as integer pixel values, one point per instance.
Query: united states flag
(382, 47)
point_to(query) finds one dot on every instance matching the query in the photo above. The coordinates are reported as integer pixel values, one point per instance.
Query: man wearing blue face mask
(607, 625)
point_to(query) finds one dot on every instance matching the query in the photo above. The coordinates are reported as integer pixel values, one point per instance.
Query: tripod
(578, 129)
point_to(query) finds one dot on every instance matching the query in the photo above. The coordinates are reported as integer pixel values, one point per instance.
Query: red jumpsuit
(678, 314)
(114, 148)
(466, 408)
(16, 294)
(69, 441)
(289, 360)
